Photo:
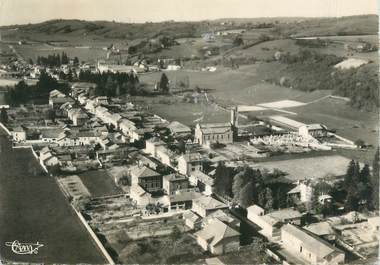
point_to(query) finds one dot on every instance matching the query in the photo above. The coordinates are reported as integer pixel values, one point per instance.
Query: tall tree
(3, 115)
(164, 83)
(374, 181)
(268, 199)
(223, 180)
(246, 195)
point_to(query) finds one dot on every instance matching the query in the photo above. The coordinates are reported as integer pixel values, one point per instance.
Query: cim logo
(24, 248)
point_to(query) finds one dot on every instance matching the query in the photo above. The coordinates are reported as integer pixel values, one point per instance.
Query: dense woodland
(55, 60)
(111, 84)
(309, 71)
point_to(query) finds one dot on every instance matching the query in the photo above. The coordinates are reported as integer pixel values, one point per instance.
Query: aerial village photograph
(189, 132)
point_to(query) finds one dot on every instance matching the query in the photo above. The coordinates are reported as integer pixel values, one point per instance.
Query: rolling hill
(60, 30)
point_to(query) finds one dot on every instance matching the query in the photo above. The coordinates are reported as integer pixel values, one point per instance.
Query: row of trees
(247, 186)
(55, 60)
(111, 84)
(362, 187)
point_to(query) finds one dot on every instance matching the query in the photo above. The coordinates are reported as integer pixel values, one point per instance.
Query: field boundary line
(95, 238)
(5, 129)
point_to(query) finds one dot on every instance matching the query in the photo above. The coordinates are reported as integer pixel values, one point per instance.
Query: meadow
(34, 209)
(84, 53)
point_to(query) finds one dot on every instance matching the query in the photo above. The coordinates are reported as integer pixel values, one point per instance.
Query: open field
(83, 53)
(310, 168)
(34, 209)
(336, 114)
(243, 87)
(99, 183)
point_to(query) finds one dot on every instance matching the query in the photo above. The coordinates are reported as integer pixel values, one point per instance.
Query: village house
(174, 182)
(139, 195)
(223, 216)
(127, 127)
(178, 129)
(151, 146)
(77, 137)
(202, 181)
(165, 155)
(192, 220)
(114, 120)
(82, 99)
(147, 178)
(47, 158)
(218, 238)
(79, 118)
(210, 133)
(112, 155)
(271, 223)
(57, 102)
(302, 192)
(143, 160)
(206, 205)
(190, 162)
(308, 247)
(183, 199)
(322, 229)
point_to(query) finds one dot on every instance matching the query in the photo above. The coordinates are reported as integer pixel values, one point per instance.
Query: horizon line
(189, 21)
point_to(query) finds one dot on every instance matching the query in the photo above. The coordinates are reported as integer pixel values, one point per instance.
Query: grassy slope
(34, 209)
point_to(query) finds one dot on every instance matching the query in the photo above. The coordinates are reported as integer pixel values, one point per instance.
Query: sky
(33, 11)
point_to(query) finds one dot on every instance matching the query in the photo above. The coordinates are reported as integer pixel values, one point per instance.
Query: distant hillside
(71, 29)
(54, 29)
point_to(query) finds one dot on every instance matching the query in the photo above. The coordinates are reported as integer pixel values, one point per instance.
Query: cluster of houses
(87, 132)
(315, 243)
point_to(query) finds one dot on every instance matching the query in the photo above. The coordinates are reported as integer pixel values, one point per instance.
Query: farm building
(218, 238)
(285, 122)
(310, 248)
(213, 133)
(314, 130)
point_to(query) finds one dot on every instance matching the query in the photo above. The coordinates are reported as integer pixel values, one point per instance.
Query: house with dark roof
(174, 182)
(218, 238)
(147, 178)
